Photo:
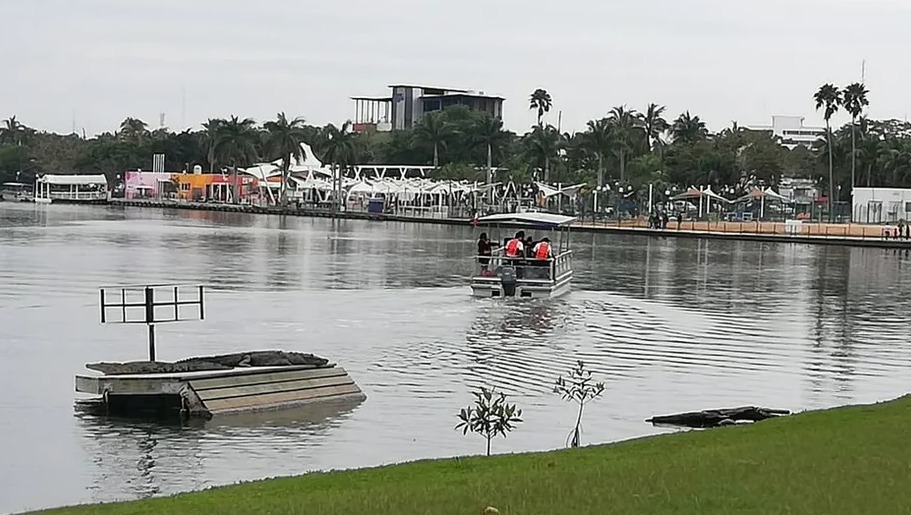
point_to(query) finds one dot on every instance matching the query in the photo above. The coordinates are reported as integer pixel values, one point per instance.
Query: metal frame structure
(148, 307)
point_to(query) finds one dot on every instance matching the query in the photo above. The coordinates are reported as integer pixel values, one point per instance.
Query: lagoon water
(669, 325)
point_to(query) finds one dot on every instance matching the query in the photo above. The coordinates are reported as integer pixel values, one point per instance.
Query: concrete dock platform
(213, 392)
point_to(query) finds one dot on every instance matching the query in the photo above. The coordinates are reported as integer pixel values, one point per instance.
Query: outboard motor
(507, 276)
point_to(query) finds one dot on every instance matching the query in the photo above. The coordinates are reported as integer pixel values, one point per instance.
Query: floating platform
(207, 393)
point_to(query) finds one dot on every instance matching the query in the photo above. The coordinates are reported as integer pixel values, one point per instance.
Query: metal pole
(650, 198)
(151, 342)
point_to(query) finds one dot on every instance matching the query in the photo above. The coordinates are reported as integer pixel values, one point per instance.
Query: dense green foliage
(846, 460)
(624, 146)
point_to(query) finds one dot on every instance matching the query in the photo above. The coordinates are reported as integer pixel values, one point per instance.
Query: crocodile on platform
(268, 358)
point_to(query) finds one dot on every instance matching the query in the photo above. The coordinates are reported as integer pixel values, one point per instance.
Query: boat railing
(526, 267)
(75, 195)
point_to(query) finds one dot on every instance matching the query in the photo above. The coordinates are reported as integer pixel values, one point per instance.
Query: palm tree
(688, 129)
(828, 98)
(653, 123)
(432, 130)
(283, 138)
(854, 100)
(488, 131)
(134, 129)
(337, 147)
(236, 144)
(12, 131)
(624, 123)
(541, 145)
(540, 100)
(210, 138)
(597, 140)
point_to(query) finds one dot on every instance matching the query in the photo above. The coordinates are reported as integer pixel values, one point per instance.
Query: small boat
(16, 192)
(503, 276)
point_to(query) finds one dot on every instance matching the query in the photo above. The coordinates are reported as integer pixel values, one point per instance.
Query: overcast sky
(103, 60)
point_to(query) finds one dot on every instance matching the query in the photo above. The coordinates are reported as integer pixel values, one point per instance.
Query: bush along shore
(845, 460)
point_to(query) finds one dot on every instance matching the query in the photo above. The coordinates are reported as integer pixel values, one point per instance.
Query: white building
(791, 130)
(881, 205)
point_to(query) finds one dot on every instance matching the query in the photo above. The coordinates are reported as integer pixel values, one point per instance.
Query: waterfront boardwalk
(807, 232)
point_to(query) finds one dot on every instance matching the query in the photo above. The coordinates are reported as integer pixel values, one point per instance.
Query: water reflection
(136, 459)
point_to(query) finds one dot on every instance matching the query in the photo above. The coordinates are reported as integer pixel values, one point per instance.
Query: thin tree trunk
(853, 165)
(489, 164)
(436, 155)
(622, 165)
(488, 445)
(281, 192)
(577, 433)
(831, 176)
(600, 169)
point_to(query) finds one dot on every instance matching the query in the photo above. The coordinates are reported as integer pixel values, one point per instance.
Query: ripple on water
(668, 325)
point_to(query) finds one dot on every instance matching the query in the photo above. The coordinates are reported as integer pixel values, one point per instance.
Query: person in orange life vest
(515, 248)
(543, 251)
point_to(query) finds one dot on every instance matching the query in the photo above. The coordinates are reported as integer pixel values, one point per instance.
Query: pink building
(138, 184)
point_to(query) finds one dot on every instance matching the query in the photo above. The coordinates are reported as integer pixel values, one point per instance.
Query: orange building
(215, 187)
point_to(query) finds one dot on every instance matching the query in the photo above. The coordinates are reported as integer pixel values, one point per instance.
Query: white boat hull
(492, 287)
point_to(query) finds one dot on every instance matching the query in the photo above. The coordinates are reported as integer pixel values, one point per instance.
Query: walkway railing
(788, 228)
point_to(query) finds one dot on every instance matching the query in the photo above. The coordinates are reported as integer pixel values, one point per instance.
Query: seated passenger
(543, 254)
(515, 248)
(515, 253)
(543, 250)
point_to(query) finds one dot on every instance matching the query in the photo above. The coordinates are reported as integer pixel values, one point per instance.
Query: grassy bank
(848, 460)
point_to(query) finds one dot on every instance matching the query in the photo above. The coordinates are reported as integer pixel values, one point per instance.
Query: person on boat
(485, 249)
(529, 247)
(515, 252)
(543, 251)
(542, 254)
(515, 248)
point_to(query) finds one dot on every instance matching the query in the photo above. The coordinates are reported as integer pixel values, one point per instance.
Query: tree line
(623, 146)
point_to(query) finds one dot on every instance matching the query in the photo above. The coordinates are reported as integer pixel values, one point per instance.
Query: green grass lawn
(849, 460)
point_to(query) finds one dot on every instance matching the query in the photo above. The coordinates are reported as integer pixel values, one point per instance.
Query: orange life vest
(542, 251)
(512, 248)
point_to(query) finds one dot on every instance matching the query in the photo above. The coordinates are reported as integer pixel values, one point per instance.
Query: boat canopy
(528, 218)
(69, 180)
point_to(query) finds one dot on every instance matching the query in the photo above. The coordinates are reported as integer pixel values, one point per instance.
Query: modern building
(140, 184)
(791, 130)
(881, 205)
(408, 103)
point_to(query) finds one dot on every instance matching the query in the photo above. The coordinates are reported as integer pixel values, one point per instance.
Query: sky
(92, 63)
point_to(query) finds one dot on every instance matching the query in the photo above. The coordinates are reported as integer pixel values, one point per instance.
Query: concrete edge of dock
(580, 228)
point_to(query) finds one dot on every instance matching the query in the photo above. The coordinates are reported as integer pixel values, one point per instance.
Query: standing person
(679, 219)
(485, 249)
